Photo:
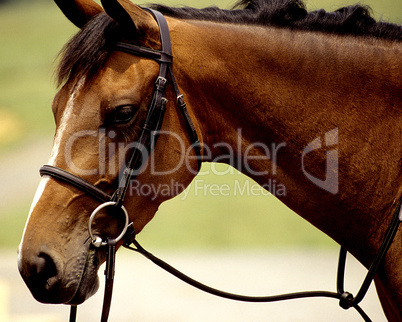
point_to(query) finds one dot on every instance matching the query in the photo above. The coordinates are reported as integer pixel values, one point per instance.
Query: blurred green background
(31, 34)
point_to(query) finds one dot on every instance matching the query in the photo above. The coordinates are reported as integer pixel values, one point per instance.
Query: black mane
(352, 20)
(89, 49)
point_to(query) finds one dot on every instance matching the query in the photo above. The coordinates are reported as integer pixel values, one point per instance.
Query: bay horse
(310, 99)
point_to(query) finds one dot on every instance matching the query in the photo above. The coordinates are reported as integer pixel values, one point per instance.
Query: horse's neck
(265, 80)
(285, 89)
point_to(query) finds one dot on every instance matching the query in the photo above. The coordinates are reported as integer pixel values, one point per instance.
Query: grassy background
(31, 34)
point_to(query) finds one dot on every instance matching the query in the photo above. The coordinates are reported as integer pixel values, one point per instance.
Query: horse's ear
(79, 12)
(130, 16)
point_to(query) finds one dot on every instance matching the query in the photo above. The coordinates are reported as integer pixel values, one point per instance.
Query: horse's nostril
(41, 275)
(45, 267)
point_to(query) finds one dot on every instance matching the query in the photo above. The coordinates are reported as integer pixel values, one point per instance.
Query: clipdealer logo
(107, 150)
(331, 181)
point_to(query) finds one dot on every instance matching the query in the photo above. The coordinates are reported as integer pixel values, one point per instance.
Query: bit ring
(97, 240)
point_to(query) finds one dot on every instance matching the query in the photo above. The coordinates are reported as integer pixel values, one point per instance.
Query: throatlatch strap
(195, 142)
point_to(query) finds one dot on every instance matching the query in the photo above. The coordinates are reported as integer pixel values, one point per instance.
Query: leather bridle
(145, 143)
(147, 140)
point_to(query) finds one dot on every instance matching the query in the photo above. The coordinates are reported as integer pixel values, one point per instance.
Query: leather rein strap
(147, 140)
(346, 299)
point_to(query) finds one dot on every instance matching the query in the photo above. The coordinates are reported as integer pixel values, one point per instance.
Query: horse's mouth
(88, 282)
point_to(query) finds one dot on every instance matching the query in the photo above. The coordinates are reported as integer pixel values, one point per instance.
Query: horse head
(99, 113)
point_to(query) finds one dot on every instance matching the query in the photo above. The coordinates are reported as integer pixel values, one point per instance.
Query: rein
(147, 141)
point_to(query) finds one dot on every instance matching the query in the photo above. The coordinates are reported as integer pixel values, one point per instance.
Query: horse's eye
(122, 114)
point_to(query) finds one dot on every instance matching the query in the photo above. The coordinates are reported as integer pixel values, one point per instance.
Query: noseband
(147, 141)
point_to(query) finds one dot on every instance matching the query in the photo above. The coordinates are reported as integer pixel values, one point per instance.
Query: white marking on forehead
(63, 122)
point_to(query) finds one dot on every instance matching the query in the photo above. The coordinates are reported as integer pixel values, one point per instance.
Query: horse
(310, 99)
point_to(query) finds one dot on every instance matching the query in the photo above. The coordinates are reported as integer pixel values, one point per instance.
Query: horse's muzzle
(52, 282)
(42, 274)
